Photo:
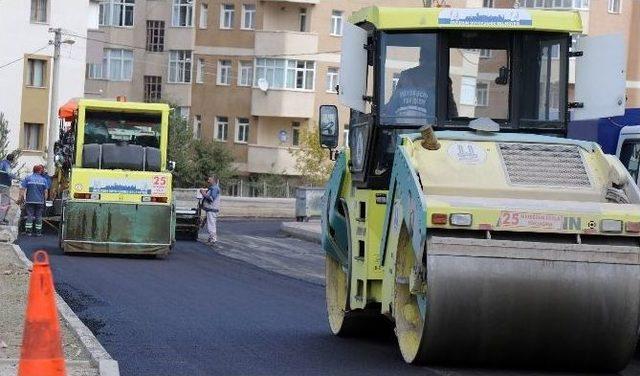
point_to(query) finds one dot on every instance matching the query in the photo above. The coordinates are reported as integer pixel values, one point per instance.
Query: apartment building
(262, 69)
(599, 17)
(251, 74)
(142, 50)
(26, 66)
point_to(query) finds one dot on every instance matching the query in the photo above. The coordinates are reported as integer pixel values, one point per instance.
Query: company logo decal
(485, 17)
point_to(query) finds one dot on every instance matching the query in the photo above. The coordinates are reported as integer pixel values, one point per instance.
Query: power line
(231, 55)
(22, 57)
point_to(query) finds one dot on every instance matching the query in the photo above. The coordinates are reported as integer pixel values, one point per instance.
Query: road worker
(34, 190)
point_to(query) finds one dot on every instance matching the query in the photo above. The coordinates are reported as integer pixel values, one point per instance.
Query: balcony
(293, 1)
(270, 159)
(283, 103)
(279, 42)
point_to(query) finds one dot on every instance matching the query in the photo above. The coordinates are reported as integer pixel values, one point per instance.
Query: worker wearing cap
(34, 192)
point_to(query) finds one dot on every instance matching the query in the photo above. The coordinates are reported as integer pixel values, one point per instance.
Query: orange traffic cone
(41, 353)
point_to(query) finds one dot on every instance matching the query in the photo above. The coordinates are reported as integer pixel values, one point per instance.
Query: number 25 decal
(509, 219)
(159, 180)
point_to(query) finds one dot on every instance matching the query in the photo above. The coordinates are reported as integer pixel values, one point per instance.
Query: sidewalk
(14, 282)
(309, 231)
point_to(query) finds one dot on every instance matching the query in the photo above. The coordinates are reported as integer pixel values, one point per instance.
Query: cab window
(630, 157)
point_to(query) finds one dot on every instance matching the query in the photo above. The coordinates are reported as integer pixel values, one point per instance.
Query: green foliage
(312, 160)
(196, 159)
(4, 140)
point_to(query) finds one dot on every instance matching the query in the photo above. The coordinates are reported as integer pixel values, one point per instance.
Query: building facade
(26, 66)
(262, 69)
(142, 50)
(251, 74)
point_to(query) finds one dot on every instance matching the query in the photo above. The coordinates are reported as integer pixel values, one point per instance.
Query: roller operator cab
(114, 180)
(461, 211)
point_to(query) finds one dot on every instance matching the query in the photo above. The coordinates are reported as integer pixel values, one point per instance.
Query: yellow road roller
(460, 210)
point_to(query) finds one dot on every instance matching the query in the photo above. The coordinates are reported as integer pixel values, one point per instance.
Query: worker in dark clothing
(413, 100)
(34, 190)
(5, 185)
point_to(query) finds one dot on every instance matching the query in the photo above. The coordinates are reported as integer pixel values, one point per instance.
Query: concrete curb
(291, 228)
(107, 366)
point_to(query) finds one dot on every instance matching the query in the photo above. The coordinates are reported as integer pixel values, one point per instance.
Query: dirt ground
(14, 282)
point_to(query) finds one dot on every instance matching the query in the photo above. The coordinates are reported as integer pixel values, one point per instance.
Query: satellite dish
(263, 84)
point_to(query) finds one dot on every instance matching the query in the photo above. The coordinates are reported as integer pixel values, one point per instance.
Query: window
(108, 127)
(402, 103)
(295, 133)
(38, 10)
(204, 16)
(182, 13)
(245, 78)
(332, 79)
(155, 36)
(222, 128)
(94, 71)
(485, 53)
(248, 17)
(183, 111)
(224, 72)
(336, 23)
(32, 136)
(226, 16)
(36, 72)
(242, 130)
(630, 157)
(289, 74)
(152, 88)
(200, 71)
(197, 127)
(300, 74)
(474, 93)
(482, 94)
(303, 19)
(116, 13)
(487, 3)
(556, 4)
(614, 6)
(467, 91)
(118, 64)
(179, 66)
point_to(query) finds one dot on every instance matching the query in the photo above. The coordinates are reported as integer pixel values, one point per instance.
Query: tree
(179, 148)
(312, 161)
(195, 159)
(210, 158)
(4, 139)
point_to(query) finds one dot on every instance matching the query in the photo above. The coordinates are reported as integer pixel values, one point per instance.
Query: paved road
(204, 311)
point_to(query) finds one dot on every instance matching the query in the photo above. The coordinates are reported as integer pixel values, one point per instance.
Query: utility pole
(53, 105)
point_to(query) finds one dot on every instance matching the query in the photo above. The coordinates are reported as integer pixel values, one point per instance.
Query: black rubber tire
(153, 159)
(126, 157)
(91, 156)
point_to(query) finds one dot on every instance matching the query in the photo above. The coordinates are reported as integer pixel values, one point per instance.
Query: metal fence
(244, 188)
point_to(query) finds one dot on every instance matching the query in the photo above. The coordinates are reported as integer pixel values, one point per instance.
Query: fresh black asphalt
(200, 313)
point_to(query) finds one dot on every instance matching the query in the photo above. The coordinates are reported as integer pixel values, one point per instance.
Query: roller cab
(460, 210)
(118, 192)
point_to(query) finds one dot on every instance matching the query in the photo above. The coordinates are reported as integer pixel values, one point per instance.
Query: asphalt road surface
(240, 308)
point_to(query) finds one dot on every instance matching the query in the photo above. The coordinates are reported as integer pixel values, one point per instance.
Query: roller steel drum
(530, 303)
